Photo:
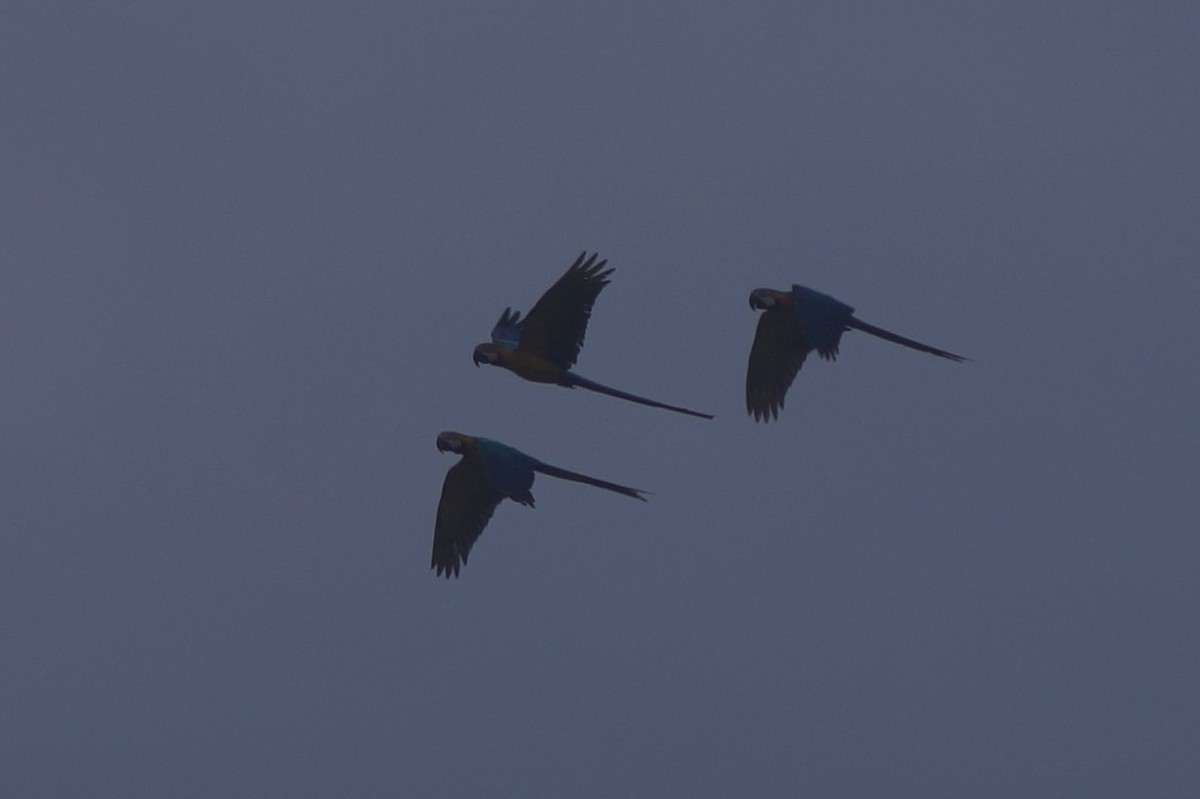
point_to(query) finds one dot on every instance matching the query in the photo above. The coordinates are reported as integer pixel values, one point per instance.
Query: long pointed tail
(592, 385)
(859, 324)
(567, 474)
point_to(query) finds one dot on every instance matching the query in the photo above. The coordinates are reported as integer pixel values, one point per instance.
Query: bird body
(824, 318)
(795, 323)
(529, 365)
(488, 473)
(543, 346)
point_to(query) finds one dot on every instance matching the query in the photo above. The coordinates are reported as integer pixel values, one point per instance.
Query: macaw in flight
(797, 322)
(488, 473)
(544, 345)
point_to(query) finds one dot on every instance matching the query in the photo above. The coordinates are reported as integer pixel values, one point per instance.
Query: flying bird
(544, 345)
(794, 324)
(488, 473)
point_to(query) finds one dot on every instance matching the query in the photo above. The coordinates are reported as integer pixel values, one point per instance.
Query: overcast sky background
(246, 254)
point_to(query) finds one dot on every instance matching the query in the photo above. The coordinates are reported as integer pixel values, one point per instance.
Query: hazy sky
(246, 255)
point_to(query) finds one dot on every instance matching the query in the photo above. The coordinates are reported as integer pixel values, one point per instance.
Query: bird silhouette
(488, 473)
(544, 345)
(794, 324)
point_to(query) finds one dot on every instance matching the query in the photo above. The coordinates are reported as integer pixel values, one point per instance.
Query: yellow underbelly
(532, 367)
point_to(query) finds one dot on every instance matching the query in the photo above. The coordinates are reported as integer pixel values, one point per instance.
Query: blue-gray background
(245, 257)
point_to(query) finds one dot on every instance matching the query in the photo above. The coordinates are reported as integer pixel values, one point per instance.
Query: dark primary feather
(554, 328)
(778, 353)
(467, 503)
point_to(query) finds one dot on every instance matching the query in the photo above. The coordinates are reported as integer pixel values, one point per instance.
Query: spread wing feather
(468, 501)
(779, 350)
(554, 328)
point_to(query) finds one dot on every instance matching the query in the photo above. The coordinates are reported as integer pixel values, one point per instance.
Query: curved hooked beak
(485, 353)
(761, 301)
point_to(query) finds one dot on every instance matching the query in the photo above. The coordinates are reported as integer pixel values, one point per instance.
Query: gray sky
(247, 253)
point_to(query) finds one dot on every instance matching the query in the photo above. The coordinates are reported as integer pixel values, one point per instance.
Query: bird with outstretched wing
(488, 473)
(795, 323)
(544, 345)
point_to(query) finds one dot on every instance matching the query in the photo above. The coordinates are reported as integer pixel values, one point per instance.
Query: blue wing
(509, 470)
(823, 319)
(507, 332)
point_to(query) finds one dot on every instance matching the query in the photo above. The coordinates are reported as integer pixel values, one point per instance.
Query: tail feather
(888, 335)
(592, 385)
(566, 474)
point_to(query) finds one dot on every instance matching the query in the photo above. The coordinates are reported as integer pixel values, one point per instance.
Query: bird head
(763, 299)
(486, 353)
(451, 442)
